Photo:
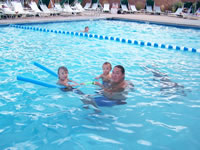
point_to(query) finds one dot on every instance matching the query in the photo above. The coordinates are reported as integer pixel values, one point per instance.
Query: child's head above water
(86, 29)
(62, 73)
(107, 67)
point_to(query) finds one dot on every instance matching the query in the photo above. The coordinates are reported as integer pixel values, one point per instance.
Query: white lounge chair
(157, 10)
(124, 8)
(53, 9)
(87, 6)
(149, 9)
(7, 12)
(79, 7)
(20, 10)
(189, 15)
(106, 7)
(114, 8)
(94, 6)
(35, 8)
(178, 13)
(61, 10)
(197, 12)
(47, 10)
(58, 7)
(133, 8)
(70, 10)
(67, 8)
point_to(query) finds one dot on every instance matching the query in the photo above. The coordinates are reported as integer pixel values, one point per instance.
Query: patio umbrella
(125, 2)
(95, 1)
(64, 1)
(150, 3)
(44, 2)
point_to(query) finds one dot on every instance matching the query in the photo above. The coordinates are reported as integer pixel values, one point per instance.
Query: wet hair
(107, 63)
(64, 68)
(86, 27)
(121, 68)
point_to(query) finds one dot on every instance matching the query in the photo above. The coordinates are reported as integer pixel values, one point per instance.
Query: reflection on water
(167, 86)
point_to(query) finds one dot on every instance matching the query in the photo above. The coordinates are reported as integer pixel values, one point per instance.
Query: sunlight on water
(161, 113)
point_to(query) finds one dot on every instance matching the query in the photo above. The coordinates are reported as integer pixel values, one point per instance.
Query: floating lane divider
(102, 37)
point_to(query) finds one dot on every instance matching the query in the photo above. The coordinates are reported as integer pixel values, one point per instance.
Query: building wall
(110, 2)
(85, 1)
(140, 4)
(167, 4)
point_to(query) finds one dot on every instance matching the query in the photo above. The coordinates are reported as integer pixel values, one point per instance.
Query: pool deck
(158, 19)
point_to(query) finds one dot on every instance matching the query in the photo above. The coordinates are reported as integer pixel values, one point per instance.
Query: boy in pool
(106, 75)
(86, 29)
(63, 78)
(117, 90)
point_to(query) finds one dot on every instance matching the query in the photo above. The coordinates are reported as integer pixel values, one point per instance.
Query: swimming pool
(35, 117)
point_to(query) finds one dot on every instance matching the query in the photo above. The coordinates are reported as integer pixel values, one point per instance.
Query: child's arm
(99, 84)
(63, 83)
(75, 83)
(118, 88)
(98, 77)
(104, 88)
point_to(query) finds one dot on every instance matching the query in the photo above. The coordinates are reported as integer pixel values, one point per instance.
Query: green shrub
(125, 2)
(177, 5)
(139, 5)
(150, 3)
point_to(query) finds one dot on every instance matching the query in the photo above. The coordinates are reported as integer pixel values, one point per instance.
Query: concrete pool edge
(157, 23)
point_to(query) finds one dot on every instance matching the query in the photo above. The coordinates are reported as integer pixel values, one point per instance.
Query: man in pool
(117, 90)
(114, 94)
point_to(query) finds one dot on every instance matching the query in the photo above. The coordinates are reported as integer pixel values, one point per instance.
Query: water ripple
(127, 125)
(171, 127)
(56, 126)
(38, 107)
(61, 141)
(124, 130)
(155, 103)
(103, 139)
(194, 106)
(23, 145)
(95, 127)
(2, 130)
(144, 142)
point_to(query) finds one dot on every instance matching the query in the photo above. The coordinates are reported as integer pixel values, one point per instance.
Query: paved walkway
(162, 19)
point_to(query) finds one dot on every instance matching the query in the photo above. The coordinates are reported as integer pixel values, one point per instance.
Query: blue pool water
(36, 117)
